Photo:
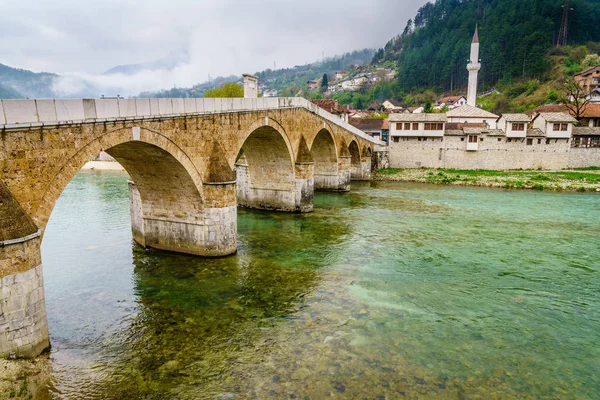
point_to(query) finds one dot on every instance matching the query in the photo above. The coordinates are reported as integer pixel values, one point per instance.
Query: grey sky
(85, 38)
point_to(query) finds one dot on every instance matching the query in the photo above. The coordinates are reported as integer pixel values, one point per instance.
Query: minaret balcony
(474, 67)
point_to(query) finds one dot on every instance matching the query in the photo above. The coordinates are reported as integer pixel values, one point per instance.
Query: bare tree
(576, 97)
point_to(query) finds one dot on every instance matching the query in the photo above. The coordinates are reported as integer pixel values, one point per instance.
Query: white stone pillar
(250, 86)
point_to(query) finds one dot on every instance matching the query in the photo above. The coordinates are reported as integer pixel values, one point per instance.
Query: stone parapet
(16, 114)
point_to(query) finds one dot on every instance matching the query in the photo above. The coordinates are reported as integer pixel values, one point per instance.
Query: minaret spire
(473, 67)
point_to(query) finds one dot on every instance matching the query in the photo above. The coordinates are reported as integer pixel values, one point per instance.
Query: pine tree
(325, 81)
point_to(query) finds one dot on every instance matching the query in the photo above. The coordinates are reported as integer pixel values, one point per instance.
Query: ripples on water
(392, 291)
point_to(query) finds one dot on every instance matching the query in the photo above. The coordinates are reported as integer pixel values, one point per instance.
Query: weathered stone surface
(23, 324)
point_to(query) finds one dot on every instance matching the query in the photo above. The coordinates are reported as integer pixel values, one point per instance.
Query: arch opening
(326, 169)
(355, 166)
(265, 172)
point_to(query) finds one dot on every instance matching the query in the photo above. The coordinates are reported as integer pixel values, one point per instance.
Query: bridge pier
(362, 170)
(344, 173)
(23, 323)
(296, 196)
(211, 233)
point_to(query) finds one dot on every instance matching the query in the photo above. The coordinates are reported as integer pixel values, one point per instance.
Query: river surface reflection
(392, 291)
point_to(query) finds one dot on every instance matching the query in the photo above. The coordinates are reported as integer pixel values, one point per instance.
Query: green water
(392, 291)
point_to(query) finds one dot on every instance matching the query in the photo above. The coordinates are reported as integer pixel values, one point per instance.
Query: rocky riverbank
(584, 180)
(25, 379)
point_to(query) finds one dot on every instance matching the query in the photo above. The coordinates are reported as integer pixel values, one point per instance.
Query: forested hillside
(16, 82)
(515, 36)
(295, 78)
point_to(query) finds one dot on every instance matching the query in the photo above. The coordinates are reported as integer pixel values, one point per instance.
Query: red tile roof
(331, 106)
(591, 111)
(547, 108)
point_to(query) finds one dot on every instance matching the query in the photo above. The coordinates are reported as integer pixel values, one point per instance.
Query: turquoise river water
(391, 291)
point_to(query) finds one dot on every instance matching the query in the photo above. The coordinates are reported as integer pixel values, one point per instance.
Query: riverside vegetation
(582, 180)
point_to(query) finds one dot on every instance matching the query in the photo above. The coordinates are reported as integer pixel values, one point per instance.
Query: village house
(595, 96)
(269, 93)
(333, 107)
(417, 125)
(375, 127)
(514, 125)
(451, 102)
(589, 79)
(392, 106)
(555, 125)
(591, 116)
(340, 74)
(312, 84)
(354, 83)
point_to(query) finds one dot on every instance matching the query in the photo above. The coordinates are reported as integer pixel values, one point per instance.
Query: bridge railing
(15, 114)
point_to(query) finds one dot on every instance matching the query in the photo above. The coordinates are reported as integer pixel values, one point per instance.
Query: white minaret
(473, 67)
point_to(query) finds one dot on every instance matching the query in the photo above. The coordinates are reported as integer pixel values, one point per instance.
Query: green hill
(19, 83)
(515, 38)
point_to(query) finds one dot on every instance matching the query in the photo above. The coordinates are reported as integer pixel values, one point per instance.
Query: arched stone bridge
(191, 161)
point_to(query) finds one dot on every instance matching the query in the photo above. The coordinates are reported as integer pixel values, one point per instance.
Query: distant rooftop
(468, 111)
(516, 117)
(556, 117)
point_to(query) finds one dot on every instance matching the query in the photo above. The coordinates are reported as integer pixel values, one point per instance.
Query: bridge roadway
(191, 163)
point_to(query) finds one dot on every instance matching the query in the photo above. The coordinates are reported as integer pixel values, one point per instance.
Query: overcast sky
(84, 38)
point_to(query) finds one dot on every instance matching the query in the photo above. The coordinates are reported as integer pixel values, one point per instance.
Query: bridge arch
(171, 163)
(353, 148)
(265, 168)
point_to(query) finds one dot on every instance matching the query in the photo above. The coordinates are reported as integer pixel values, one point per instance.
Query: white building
(417, 125)
(555, 125)
(514, 125)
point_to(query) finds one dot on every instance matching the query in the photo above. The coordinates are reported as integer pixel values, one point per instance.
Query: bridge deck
(36, 113)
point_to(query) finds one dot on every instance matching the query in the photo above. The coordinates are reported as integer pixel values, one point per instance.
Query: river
(394, 290)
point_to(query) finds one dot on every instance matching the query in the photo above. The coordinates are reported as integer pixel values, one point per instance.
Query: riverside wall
(493, 153)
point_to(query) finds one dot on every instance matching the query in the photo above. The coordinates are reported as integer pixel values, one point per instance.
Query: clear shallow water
(392, 291)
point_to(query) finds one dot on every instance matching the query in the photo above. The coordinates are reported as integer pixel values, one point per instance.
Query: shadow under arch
(265, 170)
(355, 159)
(326, 169)
(122, 137)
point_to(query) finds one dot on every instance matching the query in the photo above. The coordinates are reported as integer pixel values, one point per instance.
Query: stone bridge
(191, 162)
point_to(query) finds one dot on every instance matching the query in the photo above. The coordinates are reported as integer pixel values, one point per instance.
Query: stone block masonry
(23, 323)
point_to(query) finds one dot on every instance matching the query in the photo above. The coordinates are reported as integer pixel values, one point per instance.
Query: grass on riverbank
(582, 179)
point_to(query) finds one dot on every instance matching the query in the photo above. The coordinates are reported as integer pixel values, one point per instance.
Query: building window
(539, 141)
(424, 139)
(399, 126)
(472, 139)
(415, 126)
(499, 139)
(431, 126)
(560, 127)
(547, 141)
(396, 139)
(407, 126)
(462, 139)
(509, 140)
(597, 123)
(481, 139)
(518, 126)
(529, 142)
